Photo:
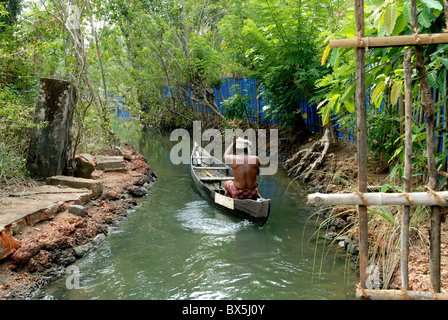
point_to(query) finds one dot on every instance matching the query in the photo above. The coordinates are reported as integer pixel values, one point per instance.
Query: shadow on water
(178, 246)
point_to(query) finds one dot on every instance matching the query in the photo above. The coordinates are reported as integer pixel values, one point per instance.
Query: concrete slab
(95, 186)
(111, 163)
(42, 191)
(20, 212)
(39, 203)
(110, 158)
(31, 206)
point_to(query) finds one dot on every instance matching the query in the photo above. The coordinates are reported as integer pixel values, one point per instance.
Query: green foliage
(167, 45)
(148, 48)
(384, 78)
(235, 107)
(272, 41)
(9, 10)
(15, 127)
(18, 88)
(383, 132)
(3, 13)
(206, 59)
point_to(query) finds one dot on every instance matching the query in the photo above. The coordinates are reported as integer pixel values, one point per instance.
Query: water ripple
(201, 218)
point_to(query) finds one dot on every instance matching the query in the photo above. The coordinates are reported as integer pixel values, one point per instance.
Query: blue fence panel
(122, 110)
(251, 88)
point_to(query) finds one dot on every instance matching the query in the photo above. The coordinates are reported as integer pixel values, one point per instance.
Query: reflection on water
(178, 246)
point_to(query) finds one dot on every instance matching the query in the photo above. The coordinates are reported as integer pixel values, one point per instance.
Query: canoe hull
(256, 211)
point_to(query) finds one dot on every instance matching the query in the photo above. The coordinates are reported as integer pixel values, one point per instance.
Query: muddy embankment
(48, 247)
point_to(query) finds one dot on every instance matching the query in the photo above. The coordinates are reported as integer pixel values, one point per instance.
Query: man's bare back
(244, 166)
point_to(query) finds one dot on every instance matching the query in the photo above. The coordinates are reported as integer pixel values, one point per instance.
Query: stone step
(48, 190)
(94, 185)
(111, 163)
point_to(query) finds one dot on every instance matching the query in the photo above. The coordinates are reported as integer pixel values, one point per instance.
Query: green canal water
(178, 246)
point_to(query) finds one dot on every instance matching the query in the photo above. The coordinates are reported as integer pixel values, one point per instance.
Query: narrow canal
(178, 246)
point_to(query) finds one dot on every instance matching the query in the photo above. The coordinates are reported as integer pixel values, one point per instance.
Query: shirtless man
(245, 169)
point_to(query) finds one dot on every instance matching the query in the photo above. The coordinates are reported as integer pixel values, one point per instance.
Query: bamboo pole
(407, 168)
(428, 105)
(445, 122)
(258, 103)
(361, 198)
(365, 294)
(392, 41)
(379, 199)
(362, 142)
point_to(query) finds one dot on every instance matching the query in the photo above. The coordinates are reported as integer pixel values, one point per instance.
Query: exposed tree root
(304, 162)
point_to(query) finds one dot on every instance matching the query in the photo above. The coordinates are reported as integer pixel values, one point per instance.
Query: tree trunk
(95, 34)
(81, 56)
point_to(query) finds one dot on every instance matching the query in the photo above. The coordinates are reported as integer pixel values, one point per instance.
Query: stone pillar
(51, 136)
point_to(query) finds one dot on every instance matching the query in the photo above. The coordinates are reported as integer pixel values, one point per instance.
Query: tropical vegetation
(161, 58)
(164, 60)
(384, 83)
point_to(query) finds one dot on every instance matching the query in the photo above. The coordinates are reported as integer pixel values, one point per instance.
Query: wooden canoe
(209, 175)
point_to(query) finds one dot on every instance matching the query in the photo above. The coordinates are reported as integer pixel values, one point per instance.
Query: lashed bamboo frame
(360, 43)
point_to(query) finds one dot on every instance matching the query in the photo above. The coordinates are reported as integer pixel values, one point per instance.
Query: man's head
(243, 145)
